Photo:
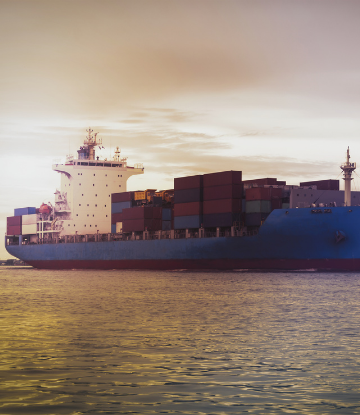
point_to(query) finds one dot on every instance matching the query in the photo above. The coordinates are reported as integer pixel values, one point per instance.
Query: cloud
(95, 57)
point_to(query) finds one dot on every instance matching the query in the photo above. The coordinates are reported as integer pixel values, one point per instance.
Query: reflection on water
(88, 342)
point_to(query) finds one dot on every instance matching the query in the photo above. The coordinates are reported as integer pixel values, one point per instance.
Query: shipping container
(166, 225)
(118, 227)
(29, 229)
(243, 205)
(14, 221)
(266, 181)
(222, 206)
(229, 191)
(144, 194)
(141, 212)
(13, 230)
(255, 219)
(166, 195)
(166, 214)
(276, 204)
(188, 222)
(118, 207)
(258, 206)
(323, 184)
(216, 220)
(285, 206)
(222, 178)
(188, 195)
(157, 201)
(188, 182)
(24, 211)
(140, 225)
(157, 212)
(122, 197)
(188, 209)
(113, 228)
(29, 219)
(116, 217)
(263, 193)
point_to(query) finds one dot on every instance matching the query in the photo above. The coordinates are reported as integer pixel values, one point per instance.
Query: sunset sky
(269, 87)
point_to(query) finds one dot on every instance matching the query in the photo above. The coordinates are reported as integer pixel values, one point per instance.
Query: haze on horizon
(184, 87)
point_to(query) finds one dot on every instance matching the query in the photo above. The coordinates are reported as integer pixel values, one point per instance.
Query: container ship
(215, 221)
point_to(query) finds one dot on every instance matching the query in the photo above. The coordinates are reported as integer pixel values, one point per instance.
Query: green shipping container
(258, 206)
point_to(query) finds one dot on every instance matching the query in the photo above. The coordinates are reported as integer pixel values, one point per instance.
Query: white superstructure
(83, 203)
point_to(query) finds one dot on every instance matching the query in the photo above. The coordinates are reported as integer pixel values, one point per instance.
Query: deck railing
(135, 236)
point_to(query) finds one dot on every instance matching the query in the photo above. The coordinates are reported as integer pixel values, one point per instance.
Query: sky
(269, 87)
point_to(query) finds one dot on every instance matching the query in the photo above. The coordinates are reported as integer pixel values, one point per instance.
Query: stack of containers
(22, 223)
(323, 184)
(260, 201)
(142, 218)
(28, 224)
(268, 181)
(119, 201)
(188, 206)
(13, 225)
(166, 219)
(222, 199)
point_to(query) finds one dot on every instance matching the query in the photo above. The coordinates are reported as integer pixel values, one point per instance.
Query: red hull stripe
(216, 264)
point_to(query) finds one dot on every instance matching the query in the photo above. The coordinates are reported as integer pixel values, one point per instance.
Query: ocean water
(136, 342)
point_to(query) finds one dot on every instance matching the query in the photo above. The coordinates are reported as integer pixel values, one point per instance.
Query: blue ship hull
(321, 238)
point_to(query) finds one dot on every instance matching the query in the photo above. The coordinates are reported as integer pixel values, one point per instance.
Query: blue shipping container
(166, 214)
(119, 206)
(187, 222)
(166, 225)
(24, 211)
(113, 228)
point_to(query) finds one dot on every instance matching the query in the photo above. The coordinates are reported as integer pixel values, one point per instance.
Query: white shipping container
(29, 229)
(118, 227)
(29, 219)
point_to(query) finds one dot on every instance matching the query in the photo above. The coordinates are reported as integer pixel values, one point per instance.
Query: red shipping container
(13, 230)
(140, 225)
(188, 182)
(263, 193)
(156, 225)
(116, 217)
(276, 204)
(222, 206)
(157, 212)
(14, 221)
(323, 184)
(122, 197)
(188, 209)
(222, 178)
(276, 193)
(229, 191)
(266, 181)
(141, 212)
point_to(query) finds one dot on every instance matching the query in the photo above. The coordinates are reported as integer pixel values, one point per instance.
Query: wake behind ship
(210, 221)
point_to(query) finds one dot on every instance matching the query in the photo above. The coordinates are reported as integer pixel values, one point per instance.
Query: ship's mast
(347, 169)
(91, 142)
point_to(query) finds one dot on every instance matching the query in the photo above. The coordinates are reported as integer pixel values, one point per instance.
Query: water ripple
(90, 342)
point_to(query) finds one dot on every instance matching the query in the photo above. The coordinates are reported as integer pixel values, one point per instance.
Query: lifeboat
(44, 208)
